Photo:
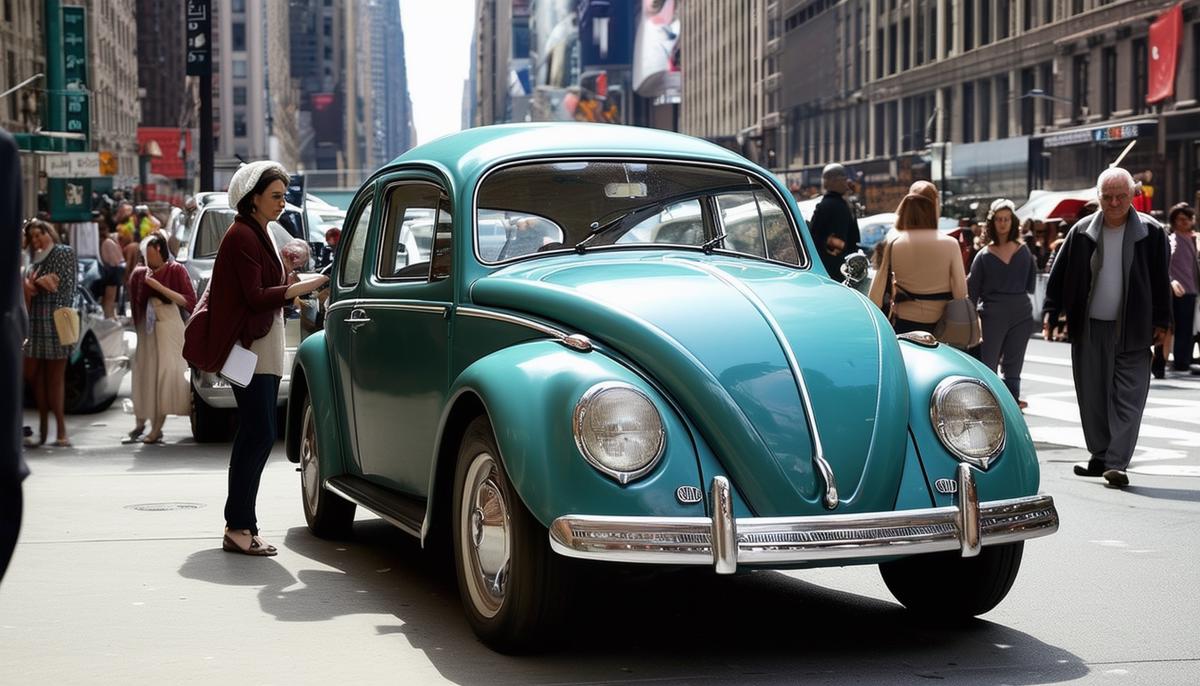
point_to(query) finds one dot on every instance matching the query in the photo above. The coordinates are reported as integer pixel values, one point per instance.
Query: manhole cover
(163, 507)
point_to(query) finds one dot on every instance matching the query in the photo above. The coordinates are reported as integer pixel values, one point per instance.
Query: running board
(401, 510)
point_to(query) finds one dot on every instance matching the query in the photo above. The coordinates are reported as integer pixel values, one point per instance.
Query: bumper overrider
(725, 542)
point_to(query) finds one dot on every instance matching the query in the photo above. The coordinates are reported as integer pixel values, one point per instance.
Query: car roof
(469, 153)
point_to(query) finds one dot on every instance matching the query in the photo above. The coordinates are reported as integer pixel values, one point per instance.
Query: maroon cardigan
(172, 275)
(243, 296)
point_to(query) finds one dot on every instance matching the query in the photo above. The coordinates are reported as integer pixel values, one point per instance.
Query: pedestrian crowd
(1120, 287)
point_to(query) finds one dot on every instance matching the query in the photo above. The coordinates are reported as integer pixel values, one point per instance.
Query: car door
(339, 324)
(399, 346)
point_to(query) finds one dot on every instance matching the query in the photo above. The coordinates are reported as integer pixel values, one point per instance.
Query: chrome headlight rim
(939, 393)
(580, 416)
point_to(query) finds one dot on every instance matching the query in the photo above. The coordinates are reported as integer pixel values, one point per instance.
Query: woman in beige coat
(926, 265)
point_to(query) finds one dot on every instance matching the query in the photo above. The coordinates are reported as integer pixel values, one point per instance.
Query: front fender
(312, 375)
(1014, 473)
(529, 392)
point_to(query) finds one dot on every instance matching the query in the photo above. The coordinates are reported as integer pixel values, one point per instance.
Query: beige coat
(924, 261)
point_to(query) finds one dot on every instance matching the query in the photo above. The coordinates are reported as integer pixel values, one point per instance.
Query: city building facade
(22, 58)
(113, 85)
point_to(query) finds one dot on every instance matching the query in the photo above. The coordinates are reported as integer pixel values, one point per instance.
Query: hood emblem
(946, 486)
(689, 494)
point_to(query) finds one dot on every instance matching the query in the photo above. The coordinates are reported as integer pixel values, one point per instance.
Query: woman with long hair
(1003, 275)
(925, 266)
(160, 292)
(49, 284)
(243, 305)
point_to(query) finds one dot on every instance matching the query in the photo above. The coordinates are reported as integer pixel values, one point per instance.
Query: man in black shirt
(834, 228)
(13, 327)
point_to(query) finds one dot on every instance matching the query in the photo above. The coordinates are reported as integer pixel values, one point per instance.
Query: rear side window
(352, 264)
(416, 214)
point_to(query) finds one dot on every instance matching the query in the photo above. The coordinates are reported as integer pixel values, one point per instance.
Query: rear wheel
(209, 424)
(511, 583)
(328, 515)
(947, 585)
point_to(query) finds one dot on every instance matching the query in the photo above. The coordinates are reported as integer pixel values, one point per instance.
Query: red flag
(1165, 35)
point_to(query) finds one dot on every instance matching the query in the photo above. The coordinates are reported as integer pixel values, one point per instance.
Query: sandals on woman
(257, 546)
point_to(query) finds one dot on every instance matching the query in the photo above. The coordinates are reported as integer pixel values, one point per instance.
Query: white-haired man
(1110, 279)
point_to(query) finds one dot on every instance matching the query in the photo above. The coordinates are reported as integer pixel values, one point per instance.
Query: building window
(1028, 102)
(239, 126)
(985, 110)
(948, 29)
(237, 5)
(968, 125)
(985, 22)
(239, 95)
(1048, 89)
(879, 130)
(239, 69)
(1079, 76)
(1076, 6)
(13, 98)
(1108, 81)
(1003, 98)
(968, 21)
(932, 33)
(1047, 12)
(893, 121)
(1138, 96)
(879, 53)
(237, 35)
(1027, 15)
(1003, 10)
(858, 59)
(892, 49)
(920, 40)
(906, 44)
(1195, 61)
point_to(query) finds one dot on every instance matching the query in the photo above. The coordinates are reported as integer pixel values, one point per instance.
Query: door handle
(357, 318)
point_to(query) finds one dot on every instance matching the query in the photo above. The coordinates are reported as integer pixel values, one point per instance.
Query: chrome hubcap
(310, 478)
(486, 536)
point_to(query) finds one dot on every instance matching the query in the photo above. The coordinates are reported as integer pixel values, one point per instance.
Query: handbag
(959, 326)
(66, 325)
(888, 302)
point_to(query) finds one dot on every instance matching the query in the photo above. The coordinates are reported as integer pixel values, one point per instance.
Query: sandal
(62, 443)
(154, 440)
(257, 547)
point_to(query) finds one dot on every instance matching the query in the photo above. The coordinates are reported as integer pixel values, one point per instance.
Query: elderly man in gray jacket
(1110, 279)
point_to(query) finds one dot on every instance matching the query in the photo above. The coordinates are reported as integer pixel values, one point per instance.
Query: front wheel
(328, 515)
(511, 583)
(950, 586)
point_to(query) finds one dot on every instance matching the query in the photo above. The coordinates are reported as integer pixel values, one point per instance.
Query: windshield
(560, 206)
(214, 221)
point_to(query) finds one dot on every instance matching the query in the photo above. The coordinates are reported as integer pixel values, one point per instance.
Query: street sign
(109, 163)
(199, 38)
(70, 199)
(74, 165)
(75, 70)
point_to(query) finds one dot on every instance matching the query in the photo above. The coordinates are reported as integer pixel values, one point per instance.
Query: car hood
(716, 333)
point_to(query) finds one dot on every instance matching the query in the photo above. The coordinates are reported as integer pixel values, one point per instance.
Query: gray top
(1183, 262)
(1105, 303)
(994, 281)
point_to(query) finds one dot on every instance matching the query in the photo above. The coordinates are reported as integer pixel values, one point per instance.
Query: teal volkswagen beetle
(553, 341)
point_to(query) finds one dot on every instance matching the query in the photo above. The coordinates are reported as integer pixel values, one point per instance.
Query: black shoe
(1093, 467)
(1116, 477)
(1159, 373)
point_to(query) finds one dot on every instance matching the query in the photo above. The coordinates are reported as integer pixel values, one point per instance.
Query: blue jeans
(251, 447)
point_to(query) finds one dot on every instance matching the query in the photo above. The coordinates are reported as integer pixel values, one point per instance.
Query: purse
(959, 326)
(887, 302)
(66, 325)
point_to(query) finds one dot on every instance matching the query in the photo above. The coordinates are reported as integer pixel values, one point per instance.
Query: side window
(442, 243)
(356, 247)
(756, 225)
(410, 225)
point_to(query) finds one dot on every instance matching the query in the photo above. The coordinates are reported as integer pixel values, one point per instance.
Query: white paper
(239, 366)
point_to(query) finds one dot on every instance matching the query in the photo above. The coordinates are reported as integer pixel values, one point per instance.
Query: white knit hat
(246, 178)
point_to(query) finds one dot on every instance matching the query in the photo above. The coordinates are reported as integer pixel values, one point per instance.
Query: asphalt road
(119, 579)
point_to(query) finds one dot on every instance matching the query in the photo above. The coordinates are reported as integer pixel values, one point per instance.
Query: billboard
(656, 51)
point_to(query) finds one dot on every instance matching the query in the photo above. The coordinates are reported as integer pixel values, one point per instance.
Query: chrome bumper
(726, 542)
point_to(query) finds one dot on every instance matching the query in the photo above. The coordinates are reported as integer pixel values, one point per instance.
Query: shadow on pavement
(673, 627)
(1181, 494)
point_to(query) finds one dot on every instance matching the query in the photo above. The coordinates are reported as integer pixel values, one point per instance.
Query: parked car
(213, 404)
(99, 360)
(708, 399)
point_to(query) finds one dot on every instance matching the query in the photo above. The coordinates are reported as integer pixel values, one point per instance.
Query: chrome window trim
(767, 184)
(580, 414)
(935, 400)
(820, 463)
(965, 527)
(478, 313)
(343, 255)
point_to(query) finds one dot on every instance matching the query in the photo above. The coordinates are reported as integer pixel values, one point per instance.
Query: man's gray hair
(1112, 174)
(833, 171)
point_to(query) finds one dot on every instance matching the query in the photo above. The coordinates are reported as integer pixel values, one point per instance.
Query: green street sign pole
(56, 119)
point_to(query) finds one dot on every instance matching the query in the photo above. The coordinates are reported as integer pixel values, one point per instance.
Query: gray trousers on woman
(1007, 326)
(1111, 387)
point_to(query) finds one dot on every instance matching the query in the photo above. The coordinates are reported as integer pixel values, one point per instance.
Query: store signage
(1115, 133)
(1100, 135)
(75, 165)
(199, 38)
(75, 70)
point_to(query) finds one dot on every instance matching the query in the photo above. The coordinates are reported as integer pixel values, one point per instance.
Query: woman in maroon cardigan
(243, 304)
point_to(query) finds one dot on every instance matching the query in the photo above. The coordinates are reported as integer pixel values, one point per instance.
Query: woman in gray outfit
(1002, 277)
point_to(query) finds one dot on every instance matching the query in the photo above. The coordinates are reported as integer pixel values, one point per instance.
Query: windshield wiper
(711, 244)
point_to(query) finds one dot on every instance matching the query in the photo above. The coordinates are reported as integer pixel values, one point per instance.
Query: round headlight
(618, 430)
(968, 420)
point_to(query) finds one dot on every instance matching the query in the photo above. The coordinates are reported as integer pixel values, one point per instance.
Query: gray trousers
(1111, 387)
(1007, 327)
